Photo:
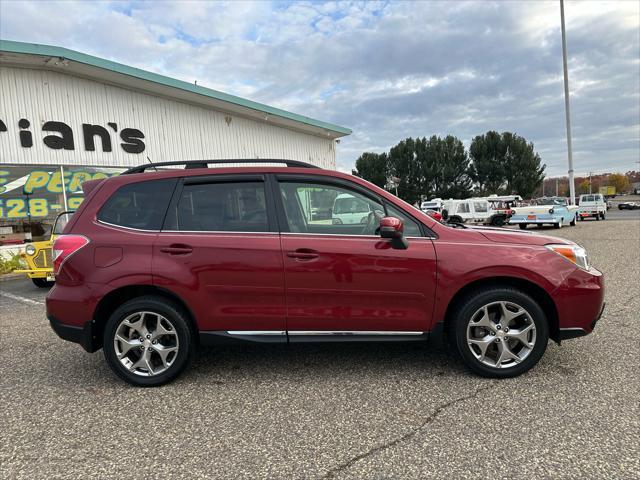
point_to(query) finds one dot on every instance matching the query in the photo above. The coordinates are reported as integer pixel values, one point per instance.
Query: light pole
(572, 187)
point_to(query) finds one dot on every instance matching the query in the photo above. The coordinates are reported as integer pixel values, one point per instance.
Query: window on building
(32, 196)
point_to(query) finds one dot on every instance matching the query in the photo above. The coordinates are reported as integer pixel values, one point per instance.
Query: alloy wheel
(146, 343)
(501, 334)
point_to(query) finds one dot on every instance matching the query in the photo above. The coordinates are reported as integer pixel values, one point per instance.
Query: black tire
(581, 218)
(470, 304)
(42, 282)
(497, 221)
(183, 329)
(523, 226)
(557, 225)
(597, 217)
(572, 223)
(604, 216)
(455, 219)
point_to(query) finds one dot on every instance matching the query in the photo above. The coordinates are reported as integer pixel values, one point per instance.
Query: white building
(66, 117)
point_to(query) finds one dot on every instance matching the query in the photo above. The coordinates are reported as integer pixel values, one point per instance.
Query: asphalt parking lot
(331, 411)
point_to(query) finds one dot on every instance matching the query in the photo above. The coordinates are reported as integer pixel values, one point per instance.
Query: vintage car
(38, 255)
(547, 210)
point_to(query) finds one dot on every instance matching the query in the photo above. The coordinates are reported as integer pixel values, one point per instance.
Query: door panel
(347, 278)
(358, 284)
(230, 281)
(219, 251)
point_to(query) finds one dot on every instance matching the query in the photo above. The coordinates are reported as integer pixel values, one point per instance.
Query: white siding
(173, 130)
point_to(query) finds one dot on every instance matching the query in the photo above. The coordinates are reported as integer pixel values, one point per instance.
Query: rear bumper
(81, 335)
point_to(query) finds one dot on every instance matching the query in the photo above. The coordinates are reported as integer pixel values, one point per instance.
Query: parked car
(435, 204)
(154, 264)
(592, 205)
(435, 215)
(348, 209)
(38, 255)
(628, 205)
(546, 210)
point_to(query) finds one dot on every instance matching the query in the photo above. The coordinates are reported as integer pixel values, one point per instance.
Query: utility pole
(556, 186)
(590, 182)
(572, 186)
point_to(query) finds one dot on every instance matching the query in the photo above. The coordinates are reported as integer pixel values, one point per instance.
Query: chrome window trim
(102, 222)
(346, 235)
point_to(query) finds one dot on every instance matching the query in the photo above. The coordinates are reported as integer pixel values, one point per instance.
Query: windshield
(550, 201)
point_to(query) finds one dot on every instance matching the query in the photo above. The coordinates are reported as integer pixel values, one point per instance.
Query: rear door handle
(303, 254)
(177, 249)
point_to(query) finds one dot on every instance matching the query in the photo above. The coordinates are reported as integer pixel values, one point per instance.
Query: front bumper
(575, 332)
(71, 333)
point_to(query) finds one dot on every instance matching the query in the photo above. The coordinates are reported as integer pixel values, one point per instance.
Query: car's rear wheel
(148, 341)
(557, 225)
(523, 226)
(573, 222)
(42, 282)
(499, 332)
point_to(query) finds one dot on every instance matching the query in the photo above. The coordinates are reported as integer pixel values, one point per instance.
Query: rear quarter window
(141, 205)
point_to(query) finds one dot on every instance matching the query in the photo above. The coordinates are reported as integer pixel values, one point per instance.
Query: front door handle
(303, 254)
(177, 249)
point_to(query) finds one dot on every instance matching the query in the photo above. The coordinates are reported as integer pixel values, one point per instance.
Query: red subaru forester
(154, 264)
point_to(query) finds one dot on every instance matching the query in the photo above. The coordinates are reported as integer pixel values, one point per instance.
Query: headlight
(551, 210)
(30, 250)
(574, 253)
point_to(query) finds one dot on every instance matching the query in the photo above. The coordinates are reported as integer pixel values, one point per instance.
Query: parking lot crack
(332, 473)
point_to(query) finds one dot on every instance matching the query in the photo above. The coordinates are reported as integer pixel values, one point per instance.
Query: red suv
(154, 264)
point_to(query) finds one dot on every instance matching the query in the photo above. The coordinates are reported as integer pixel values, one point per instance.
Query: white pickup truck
(592, 205)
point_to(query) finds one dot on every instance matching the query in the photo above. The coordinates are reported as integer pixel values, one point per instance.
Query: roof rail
(205, 164)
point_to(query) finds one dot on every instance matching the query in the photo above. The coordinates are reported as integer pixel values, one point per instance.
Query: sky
(387, 70)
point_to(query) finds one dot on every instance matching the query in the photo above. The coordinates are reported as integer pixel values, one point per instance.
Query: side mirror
(393, 229)
(445, 214)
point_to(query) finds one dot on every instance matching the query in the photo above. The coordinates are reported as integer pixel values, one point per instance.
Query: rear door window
(141, 205)
(220, 207)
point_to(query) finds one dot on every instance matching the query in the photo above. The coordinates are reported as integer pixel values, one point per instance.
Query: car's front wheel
(148, 341)
(499, 332)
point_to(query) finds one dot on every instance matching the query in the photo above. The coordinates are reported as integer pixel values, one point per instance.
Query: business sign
(32, 192)
(60, 136)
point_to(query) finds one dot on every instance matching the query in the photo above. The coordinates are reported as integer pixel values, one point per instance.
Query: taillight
(65, 246)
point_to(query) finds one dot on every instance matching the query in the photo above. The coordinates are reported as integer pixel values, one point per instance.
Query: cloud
(387, 70)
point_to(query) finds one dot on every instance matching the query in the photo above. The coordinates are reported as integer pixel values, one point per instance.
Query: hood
(503, 235)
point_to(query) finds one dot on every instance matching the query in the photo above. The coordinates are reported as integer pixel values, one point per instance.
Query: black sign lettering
(90, 131)
(132, 142)
(64, 141)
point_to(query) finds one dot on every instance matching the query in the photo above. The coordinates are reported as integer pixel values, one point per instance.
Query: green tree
(373, 167)
(620, 181)
(404, 166)
(584, 186)
(487, 154)
(506, 164)
(444, 167)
